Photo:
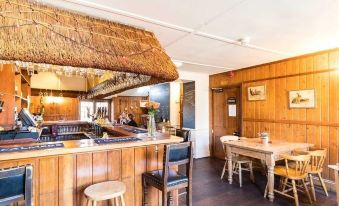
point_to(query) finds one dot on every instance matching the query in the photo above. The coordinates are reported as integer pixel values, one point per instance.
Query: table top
(274, 146)
(334, 167)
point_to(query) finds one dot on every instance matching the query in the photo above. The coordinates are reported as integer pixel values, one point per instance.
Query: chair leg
(94, 203)
(266, 190)
(240, 174)
(189, 196)
(307, 192)
(88, 202)
(170, 199)
(224, 170)
(144, 194)
(323, 184)
(116, 202)
(295, 193)
(284, 184)
(251, 171)
(164, 198)
(122, 200)
(312, 187)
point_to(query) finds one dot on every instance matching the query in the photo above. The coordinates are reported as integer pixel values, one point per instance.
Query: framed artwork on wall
(256, 93)
(301, 98)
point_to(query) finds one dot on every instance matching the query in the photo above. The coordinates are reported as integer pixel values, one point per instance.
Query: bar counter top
(88, 145)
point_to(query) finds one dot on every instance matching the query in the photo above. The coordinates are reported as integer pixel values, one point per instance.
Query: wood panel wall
(61, 180)
(7, 80)
(129, 104)
(319, 71)
(68, 109)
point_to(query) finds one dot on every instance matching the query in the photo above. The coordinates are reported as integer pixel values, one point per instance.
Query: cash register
(27, 132)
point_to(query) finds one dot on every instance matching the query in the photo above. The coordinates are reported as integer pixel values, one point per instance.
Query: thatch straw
(36, 33)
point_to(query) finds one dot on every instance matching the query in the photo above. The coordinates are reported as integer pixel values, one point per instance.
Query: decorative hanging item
(36, 34)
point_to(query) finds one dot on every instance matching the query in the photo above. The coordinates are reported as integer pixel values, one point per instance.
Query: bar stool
(168, 180)
(106, 191)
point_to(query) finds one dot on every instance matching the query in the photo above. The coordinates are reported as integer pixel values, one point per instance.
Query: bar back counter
(63, 169)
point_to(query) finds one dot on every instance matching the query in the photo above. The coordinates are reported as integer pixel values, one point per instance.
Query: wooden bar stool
(106, 191)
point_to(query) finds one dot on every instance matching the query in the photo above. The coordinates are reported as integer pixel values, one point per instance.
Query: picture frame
(256, 93)
(299, 99)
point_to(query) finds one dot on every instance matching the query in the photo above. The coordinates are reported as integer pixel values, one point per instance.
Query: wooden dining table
(267, 153)
(336, 175)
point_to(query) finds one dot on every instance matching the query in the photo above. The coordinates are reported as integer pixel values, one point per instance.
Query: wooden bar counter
(60, 175)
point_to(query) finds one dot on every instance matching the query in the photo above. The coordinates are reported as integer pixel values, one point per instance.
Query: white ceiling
(205, 34)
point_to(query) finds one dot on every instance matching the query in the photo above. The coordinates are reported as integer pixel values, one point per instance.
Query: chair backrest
(15, 185)
(175, 155)
(317, 159)
(299, 162)
(184, 133)
(227, 138)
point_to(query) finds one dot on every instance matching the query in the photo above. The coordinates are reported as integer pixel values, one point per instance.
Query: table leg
(337, 185)
(270, 177)
(230, 167)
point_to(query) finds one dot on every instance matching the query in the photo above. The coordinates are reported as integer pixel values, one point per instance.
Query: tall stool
(168, 180)
(106, 191)
(15, 185)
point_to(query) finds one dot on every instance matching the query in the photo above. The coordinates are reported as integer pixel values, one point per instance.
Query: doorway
(226, 116)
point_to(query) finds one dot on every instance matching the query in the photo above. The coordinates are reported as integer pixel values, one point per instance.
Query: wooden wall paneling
(152, 164)
(67, 180)
(127, 174)
(84, 176)
(114, 166)
(48, 181)
(140, 159)
(316, 125)
(114, 162)
(7, 81)
(100, 170)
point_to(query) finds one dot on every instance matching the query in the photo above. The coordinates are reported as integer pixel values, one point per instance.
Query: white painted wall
(201, 132)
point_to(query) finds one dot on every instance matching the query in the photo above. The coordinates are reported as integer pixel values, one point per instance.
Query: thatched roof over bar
(31, 32)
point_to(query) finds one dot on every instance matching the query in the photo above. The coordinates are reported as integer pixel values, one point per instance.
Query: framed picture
(302, 98)
(256, 93)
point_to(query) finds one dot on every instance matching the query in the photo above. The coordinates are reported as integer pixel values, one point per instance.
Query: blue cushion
(174, 178)
(12, 186)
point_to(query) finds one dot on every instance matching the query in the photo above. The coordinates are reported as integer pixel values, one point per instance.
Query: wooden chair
(16, 184)
(238, 161)
(168, 180)
(296, 173)
(316, 167)
(105, 191)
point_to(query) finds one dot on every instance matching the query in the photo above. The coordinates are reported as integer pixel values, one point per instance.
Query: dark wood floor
(209, 190)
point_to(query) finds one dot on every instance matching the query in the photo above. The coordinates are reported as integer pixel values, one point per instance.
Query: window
(86, 110)
(90, 108)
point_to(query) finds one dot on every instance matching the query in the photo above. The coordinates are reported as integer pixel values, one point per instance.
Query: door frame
(240, 87)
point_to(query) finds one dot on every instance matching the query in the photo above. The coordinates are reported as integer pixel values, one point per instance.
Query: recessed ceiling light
(177, 63)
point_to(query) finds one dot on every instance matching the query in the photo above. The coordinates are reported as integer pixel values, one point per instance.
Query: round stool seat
(105, 190)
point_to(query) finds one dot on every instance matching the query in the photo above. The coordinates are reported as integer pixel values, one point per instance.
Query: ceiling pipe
(170, 26)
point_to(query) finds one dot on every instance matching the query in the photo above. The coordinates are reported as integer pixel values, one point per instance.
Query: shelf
(22, 98)
(23, 79)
